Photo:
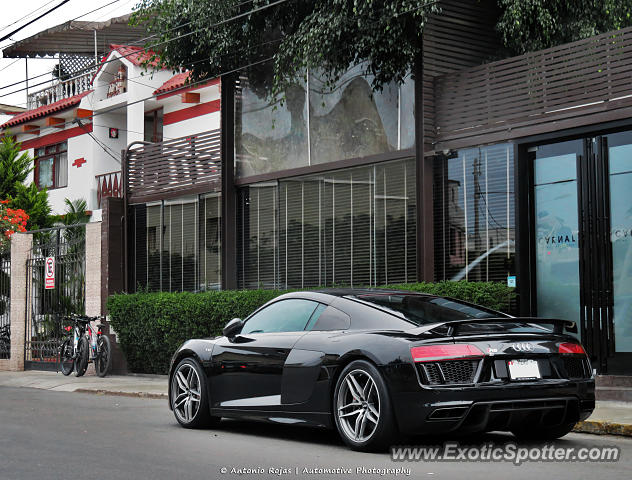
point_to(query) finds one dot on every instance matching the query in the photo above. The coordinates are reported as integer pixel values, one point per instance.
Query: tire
(362, 408)
(66, 362)
(103, 362)
(189, 395)
(83, 351)
(543, 433)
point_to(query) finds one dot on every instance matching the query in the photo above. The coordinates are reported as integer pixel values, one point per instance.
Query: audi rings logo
(523, 347)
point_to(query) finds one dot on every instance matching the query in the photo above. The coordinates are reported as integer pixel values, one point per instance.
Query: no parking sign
(49, 278)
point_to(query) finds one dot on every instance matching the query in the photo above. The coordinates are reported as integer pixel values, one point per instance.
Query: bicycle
(85, 346)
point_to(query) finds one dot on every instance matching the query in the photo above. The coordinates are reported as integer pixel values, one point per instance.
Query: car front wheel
(189, 395)
(362, 408)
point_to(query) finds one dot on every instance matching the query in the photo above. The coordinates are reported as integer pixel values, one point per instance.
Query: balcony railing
(108, 185)
(173, 168)
(60, 90)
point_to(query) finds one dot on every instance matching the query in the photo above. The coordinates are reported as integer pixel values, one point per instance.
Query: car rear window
(422, 309)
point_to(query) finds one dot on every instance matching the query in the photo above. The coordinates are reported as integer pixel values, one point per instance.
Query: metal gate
(50, 298)
(5, 305)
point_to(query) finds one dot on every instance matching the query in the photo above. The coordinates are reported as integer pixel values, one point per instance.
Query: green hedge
(151, 326)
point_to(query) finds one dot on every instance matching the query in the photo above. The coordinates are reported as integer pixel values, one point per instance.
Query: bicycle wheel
(83, 351)
(103, 361)
(66, 362)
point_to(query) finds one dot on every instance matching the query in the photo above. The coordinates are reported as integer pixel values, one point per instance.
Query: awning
(77, 38)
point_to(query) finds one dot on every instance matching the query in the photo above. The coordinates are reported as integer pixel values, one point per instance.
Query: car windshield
(422, 309)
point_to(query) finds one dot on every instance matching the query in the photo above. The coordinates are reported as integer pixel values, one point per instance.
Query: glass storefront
(474, 215)
(583, 241)
(176, 244)
(313, 124)
(352, 227)
(557, 230)
(620, 177)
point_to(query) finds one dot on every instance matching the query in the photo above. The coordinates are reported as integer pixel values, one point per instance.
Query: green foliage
(316, 34)
(529, 25)
(75, 215)
(151, 326)
(35, 203)
(14, 167)
(496, 296)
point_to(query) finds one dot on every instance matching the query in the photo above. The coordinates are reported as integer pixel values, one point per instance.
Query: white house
(77, 140)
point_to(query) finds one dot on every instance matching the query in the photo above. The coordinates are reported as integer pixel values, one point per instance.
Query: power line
(201, 81)
(87, 69)
(27, 15)
(51, 10)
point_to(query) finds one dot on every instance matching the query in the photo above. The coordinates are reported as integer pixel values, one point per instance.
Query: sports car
(380, 364)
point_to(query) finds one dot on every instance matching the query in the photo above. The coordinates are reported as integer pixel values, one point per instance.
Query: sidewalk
(609, 418)
(148, 386)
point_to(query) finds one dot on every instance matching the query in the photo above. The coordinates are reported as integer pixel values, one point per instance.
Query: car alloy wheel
(362, 408)
(187, 393)
(358, 406)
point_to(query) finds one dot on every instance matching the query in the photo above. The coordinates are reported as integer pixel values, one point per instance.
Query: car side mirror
(233, 327)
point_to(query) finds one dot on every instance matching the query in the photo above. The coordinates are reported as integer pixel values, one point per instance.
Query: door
(582, 210)
(248, 368)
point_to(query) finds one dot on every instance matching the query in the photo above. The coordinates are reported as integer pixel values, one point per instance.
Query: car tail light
(430, 353)
(571, 348)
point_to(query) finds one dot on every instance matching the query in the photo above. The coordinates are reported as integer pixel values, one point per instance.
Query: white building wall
(125, 112)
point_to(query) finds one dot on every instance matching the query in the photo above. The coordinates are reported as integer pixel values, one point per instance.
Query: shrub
(151, 326)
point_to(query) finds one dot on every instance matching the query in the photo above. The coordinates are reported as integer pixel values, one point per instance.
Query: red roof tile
(136, 55)
(174, 82)
(132, 53)
(45, 110)
(180, 82)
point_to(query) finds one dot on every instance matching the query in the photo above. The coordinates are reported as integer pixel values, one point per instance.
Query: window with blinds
(176, 244)
(474, 215)
(348, 227)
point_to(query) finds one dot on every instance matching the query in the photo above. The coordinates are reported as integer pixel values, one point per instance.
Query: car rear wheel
(362, 408)
(543, 433)
(189, 395)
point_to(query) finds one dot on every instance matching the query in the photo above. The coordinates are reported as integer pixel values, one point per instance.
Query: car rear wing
(451, 327)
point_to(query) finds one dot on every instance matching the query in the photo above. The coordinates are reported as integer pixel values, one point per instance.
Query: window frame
(55, 156)
(265, 307)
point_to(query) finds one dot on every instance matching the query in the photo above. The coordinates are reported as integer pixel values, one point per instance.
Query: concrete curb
(599, 427)
(160, 396)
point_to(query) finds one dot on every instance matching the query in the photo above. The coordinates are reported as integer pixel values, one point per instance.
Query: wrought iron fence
(5, 305)
(46, 307)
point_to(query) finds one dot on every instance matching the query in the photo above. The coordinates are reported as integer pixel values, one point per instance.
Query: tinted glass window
(420, 310)
(283, 316)
(328, 318)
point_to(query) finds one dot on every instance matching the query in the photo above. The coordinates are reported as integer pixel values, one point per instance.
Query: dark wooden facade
(571, 85)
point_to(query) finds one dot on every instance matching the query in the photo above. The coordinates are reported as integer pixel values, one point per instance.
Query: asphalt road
(54, 435)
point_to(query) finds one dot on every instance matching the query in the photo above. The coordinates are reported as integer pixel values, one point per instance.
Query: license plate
(523, 369)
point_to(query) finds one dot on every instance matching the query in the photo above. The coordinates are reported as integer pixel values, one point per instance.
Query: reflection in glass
(346, 121)
(474, 211)
(620, 159)
(556, 229)
(270, 135)
(351, 120)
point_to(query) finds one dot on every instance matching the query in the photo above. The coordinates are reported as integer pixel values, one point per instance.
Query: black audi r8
(376, 364)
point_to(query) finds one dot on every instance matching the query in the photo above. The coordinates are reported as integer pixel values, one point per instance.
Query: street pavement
(63, 435)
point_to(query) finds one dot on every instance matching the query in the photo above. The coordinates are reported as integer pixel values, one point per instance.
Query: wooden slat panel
(181, 166)
(573, 80)
(461, 36)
